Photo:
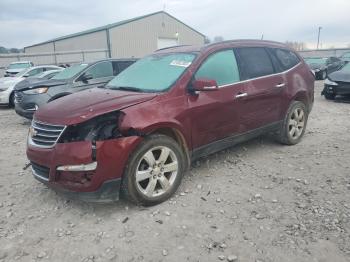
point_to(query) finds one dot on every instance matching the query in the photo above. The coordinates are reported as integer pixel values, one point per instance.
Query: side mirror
(86, 77)
(203, 84)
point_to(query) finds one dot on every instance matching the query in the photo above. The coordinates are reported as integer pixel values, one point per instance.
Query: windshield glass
(18, 66)
(153, 73)
(346, 68)
(70, 72)
(22, 73)
(315, 60)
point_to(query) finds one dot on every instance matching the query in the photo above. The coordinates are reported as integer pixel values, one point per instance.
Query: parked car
(139, 134)
(16, 67)
(324, 66)
(345, 57)
(71, 80)
(7, 84)
(337, 83)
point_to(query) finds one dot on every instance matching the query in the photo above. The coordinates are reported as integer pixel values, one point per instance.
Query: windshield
(318, 61)
(18, 66)
(70, 72)
(153, 73)
(22, 73)
(346, 68)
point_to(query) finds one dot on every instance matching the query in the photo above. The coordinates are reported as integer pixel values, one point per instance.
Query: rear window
(254, 62)
(286, 58)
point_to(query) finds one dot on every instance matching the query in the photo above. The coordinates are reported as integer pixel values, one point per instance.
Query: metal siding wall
(45, 48)
(139, 38)
(97, 40)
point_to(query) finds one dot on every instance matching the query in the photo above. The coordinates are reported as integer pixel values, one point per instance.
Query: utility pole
(318, 38)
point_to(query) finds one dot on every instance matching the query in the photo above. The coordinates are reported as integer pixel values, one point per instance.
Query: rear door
(101, 73)
(214, 114)
(260, 104)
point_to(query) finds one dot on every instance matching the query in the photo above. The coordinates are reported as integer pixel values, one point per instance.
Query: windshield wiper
(127, 88)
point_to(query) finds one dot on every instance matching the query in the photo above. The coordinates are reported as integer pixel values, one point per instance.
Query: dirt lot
(259, 201)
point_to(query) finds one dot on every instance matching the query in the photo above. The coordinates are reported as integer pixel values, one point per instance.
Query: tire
(144, 172)
(293, 119)
(12, 100)
(329, 96)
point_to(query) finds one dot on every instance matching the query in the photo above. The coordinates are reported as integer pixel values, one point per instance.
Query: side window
(123, 65)
(254, 62)
(103, 69)
(221, 66)
(287, 58)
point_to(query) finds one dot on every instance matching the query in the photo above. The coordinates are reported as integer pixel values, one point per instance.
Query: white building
(135, 37)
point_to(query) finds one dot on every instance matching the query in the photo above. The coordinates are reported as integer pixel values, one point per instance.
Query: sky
(24, 22)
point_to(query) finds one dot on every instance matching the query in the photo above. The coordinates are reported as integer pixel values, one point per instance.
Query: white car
(8, 83)
(16, 67)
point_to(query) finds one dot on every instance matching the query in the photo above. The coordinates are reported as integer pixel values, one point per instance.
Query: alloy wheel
(296, 123)
(156, 171)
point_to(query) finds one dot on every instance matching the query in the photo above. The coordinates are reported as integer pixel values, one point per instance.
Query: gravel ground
(259, 201)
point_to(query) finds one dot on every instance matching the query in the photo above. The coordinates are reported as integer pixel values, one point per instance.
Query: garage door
(166, 42)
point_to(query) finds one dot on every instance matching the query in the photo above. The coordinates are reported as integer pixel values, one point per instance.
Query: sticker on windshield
(180, 63)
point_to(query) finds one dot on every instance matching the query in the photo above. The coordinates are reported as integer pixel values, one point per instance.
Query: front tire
(154, 171)
(12, 100)
(329, 96)
(294, 124)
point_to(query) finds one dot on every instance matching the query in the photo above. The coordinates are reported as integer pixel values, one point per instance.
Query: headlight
(330, 82)
(99, 128)
(40, 90)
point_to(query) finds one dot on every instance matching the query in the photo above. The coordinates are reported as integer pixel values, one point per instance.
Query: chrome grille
(44, 135)
(18, 97)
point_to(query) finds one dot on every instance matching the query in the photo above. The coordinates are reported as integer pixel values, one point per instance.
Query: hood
(82, 106)
(340, 76)
(30, 83)
(10, 81)
(15, 71)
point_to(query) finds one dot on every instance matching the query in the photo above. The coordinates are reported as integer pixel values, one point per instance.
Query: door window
(254, 62)
(103, 69)
(221, 66)
(286, 58)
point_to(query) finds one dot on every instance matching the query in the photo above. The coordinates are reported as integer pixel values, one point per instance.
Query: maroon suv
(138, 135)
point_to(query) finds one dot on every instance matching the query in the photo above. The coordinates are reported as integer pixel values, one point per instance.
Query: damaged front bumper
(81, 170)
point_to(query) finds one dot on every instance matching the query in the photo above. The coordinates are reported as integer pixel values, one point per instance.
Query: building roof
(109, 26)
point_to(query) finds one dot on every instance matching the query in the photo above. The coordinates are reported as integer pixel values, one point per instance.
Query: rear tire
(294, 124)
(154, 171)
(329, 96)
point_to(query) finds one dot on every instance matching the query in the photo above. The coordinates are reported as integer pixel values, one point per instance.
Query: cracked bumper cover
(73, 172)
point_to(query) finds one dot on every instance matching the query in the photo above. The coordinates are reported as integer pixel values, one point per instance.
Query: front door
(214, 114)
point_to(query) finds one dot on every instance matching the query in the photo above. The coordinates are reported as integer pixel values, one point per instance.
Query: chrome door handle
(281, 85)
(241, 95)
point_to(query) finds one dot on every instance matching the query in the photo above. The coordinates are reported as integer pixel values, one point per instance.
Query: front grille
(41, 172)
(18, 97)
(44, 135)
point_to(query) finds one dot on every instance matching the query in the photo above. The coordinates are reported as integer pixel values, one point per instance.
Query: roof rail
(165, 48)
